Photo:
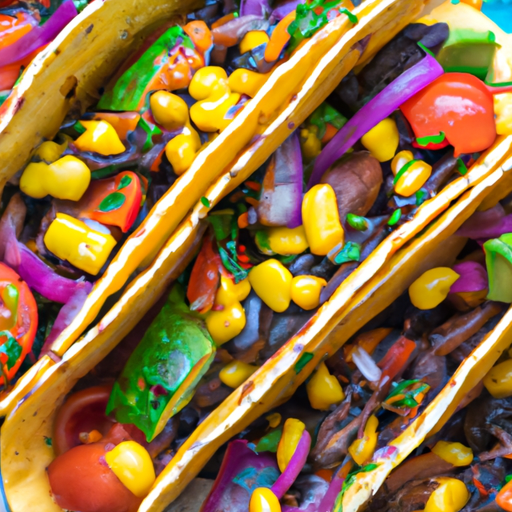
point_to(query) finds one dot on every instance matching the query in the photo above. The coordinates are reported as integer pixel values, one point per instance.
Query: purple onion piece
(289, 475)
(284, 9)
(242, 470)
(38, 275)
(485, 225)
(257, 7)
(473, 277)
(39, 36)
(281, 198)
(381, 106)
(67, 314)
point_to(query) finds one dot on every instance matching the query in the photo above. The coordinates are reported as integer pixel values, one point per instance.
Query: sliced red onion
(39, 36)
(485, 225)
(366, 365)
(67, 314)
(257, 7)
(281, 197)
(242, 470)
(473, 277)
(38, 275)
(381, 106)
(234, 30)
(289, 475)
(284, 9)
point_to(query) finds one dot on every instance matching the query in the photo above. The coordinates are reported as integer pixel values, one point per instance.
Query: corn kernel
(181, 151)
(253, 39)
(450, 496)
(132, 464)
(401, 158)
(362, 449)
(306, 291)
(245, 81)
(67, 178)
(430, 289)
(242, 289)
(236, 373)
(72, 240)
(227, 319)
(310, 144)
(321, 219)
(169, 110)
(272, 282)
(264, 500)
(454, 453)
(382, 140)
(205, 80)
(50, 151)
(99, 137)
(274, 419)
(324, 389)
(285, 241)
(413, 178)
(292, 432)
(499, 380)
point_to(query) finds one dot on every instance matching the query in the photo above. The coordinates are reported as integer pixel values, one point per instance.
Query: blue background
(500, 11)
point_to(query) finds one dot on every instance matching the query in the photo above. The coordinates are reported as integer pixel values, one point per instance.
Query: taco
(169, 389)
(113, 202)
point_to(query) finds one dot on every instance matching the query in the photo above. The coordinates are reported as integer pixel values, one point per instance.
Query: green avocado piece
(498, 259)
(163, 371)
(468, 51)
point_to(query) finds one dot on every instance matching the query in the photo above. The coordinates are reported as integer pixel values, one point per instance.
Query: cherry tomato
(80, 479)
(200, 34)
(18, 319)
(83, 411)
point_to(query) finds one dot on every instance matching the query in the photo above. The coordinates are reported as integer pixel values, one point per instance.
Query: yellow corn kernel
(322, 220)
(264, 500)
(245, 81)
(382, 140)
(503, 112)
(227, 319)
(450, 496)
(292, 432)
(67, 178)
(169, 110)
(50, 151)
(454, 453)
(272, 283)
(274, 419)
(324, 389)
(432, 287)
(285, 241)
(310, 144)
(99, 137)
(209, 114)
(205, 80)
(499, 380)
(242, 289)
(362, 449)
(413, 178)
(253, 39)
(235, 373)
(132, 464)
(306, 291)
(401, 158)
(72, 240)
(181, 151)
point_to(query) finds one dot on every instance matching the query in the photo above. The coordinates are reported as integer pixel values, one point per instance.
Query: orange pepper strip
(122, 122)
(12, 29)
(279, 38)
(223, 20)
(200, 34)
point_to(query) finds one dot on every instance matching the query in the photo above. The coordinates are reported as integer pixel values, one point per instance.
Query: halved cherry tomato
(18, 321)
(121, 205)
(83, 411)
(200, 34)
(80, 479)
(504, 497)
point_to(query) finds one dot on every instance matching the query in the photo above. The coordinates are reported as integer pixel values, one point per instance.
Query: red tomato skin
(80, 480)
